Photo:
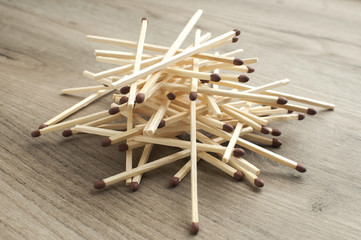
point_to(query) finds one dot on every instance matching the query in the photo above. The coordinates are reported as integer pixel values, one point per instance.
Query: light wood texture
(46, 183)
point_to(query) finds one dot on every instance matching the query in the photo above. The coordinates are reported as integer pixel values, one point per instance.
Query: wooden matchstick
(285, 117)
(263, 140)
(143, 160)
(83, 89)
(232, 143)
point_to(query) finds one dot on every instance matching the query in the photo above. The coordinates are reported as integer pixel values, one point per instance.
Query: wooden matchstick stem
(259, 139)
(193, 147)
(199, 75)
(143, 160)
(213, 106)
(114, 126)
(242, 118)
(211, 121)
(94, 130)
(251, 116)
(83, 89)
(124, 135)
(245, 165)
(270, 112)
(180, 116)
(115, 61)
(129, 153)
(232, 143)
(153, 123)
(217, 163)
(285, 117)
(288, 106)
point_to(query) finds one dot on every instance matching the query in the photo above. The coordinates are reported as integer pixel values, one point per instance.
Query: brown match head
(36, 133)
(228, 127)
(238, 32)
(113, 110)
(105, 85)
(301, 116)
(281, 100)
(193, 96)
(42, 126)
(134, 186)
(123, 100)
(204, 81)
(123, 147)
(67, 133)
(238, 152)
(264, 130)
(300, 168)
(273, 107)
(235, 39)
(171, 96)
(311, 111)
(144, 19)
(258, 182)
(243, 78)
(276, 142)
(238, 176)
(161, 124)
(99, 184)
(250, 70)
(106, 142)
(140, 97)
(194, 228)
(237, 61)
(289, 111)
(276, 132)
(215, 77)
(124, 90)
(174, 181)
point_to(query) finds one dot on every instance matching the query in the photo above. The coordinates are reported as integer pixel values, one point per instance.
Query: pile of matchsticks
(172, 91)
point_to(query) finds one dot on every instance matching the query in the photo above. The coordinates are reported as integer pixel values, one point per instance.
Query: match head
(43, 126)
(123, 100)
(311, 111)
(171, 96)
(161, 124)
(301, 117)
(276, 132)
(99, 184)
(237, 61)
(238, 32)
(238, 176)
(123, 147)
(144, 19)
(113, 110)
(235, 39)
(243, 78)
(258, 182)
(125, 90)
(289, 111)
(215, 77)
(36, 133)
(276, 142)
(174, 181)
(238, 152)
(204, 81)
(228, 127)
(281, 100)
(273, 107)
(106, 142)
(264, 130)
(195, 228)
(250, 70)
(300, 168)
(134, 186)
(67, 133)
(140, 97)
(193, 96)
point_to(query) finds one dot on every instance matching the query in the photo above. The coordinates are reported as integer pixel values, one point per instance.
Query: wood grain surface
(46, 183)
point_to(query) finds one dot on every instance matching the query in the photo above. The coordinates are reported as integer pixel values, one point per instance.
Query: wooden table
(46, 183)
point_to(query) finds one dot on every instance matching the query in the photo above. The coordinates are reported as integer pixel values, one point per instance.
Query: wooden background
(46, 183)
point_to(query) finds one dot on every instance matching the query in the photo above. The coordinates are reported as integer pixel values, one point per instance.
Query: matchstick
(232, 143)
(285, 117)
(95, 130)
(178, 177)
(263, 140)
(215, 123)
(83, 89)
(143, 160)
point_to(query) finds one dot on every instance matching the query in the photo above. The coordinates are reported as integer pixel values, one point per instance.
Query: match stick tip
(235, 39)
(193, 96)
(238, 152)
(243, 78)
(123, 147)
(281, 100)
(144, 19)
(204, 81)
(250, 70)
(36, 133)
(99, 184)
(258, 182)
(238, 176)
(264, 130)
(300, 168)
(113, 110)
(273, 107)
(123, 100)
(171, 96)
(289, 111)
(195, 228)
(237, 61)
(161, 124)
(140, 98)
(43, 126)
(301, 116)
(106, 142)
(311, 111)
(276, 142)
(174, 181)
(228, 127)
(125, 90)
(238, 32)
(67, 133)
(134, 186)
(276, 132)
(215, 77)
